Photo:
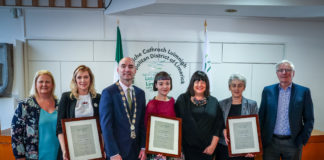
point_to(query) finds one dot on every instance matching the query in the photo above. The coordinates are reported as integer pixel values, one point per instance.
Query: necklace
(131, 122)
(199, 102)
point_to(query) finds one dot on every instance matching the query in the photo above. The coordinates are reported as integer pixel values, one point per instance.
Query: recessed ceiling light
(231, 10)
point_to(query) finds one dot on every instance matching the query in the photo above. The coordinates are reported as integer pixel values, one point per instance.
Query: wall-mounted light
(230, 10)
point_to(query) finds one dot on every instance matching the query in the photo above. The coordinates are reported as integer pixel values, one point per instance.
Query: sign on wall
(152, 60)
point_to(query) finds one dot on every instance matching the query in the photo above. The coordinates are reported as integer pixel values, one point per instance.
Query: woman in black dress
(202, 119)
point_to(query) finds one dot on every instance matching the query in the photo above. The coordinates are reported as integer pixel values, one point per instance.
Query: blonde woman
(81, 101)
(34, 121)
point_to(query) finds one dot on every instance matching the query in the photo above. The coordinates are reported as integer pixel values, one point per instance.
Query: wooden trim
(5, 139)
(35, 3)
(84, 4)
(100, 3)
(18, 2)
(68, 3)
(5, 148)
(316, 139)
(2, 2)
(148, 134)
(51, 3)
(258, 134)
(78, 122)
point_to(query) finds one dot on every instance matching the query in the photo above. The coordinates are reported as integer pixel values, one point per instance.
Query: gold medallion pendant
(133, 134)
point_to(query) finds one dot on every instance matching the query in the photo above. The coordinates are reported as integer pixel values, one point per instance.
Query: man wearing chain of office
(121, 112)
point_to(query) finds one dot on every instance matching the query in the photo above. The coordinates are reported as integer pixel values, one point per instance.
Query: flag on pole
(206, 65)
(119, 53)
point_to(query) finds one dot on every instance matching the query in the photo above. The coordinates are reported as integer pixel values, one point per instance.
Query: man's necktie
(129, 99)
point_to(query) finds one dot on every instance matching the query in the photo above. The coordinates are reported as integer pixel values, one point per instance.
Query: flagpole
(205, 24)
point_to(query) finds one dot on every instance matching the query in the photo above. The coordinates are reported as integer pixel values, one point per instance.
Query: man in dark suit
(286, 116)
(122, 110)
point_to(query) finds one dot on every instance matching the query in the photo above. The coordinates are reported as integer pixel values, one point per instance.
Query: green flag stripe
(119, 47)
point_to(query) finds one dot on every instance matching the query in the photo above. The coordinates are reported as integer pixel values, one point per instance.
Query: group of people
(285, 114)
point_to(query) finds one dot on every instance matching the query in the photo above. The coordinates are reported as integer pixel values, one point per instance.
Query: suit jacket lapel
(130, 111)
(120, 97)
(228, 105)
(291, 101)
(276, 98)
(244, 110)
(72, 107)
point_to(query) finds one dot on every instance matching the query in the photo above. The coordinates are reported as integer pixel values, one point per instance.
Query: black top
(197, 111)
(199, 123)
(235, 110)
(66, 108)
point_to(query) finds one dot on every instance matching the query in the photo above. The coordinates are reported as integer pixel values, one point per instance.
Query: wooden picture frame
(164, 136)
(244, 135)
(82, 137)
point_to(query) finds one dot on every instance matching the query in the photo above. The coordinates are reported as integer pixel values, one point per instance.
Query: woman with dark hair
(81, 101)
(202, 119)
(161, 104)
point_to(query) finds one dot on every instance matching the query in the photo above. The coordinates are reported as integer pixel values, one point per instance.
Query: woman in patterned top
(34, 121)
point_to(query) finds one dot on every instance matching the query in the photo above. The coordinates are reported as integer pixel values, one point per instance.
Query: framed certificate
(244, 135)
(82, 138)
(163, 136)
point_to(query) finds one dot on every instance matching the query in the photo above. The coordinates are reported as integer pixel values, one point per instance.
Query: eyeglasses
(284, 70)
(237, 85)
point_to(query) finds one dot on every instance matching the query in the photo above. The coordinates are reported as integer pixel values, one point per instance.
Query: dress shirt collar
(289, 87)
(124, 87)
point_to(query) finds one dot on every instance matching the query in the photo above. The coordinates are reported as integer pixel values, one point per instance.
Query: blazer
(115, 124)
(249, 107)
(67, 108)
(301, 113)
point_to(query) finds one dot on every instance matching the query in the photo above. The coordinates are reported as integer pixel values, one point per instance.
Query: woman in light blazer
(236, 105)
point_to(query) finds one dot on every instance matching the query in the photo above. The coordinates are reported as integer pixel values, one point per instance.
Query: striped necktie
(129, 99)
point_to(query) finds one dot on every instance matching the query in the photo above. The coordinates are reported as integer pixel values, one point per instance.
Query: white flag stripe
(206, 65)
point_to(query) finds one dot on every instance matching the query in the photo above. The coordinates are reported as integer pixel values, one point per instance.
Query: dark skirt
(195, 154)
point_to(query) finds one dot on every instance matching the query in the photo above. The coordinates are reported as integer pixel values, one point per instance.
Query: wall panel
(102, 71)
(253, 53)
(43, 50)
(104, 50)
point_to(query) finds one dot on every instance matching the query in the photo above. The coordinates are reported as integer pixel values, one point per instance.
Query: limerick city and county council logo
(155, 67)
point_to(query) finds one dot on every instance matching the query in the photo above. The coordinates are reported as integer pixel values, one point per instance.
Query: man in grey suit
(286, 116)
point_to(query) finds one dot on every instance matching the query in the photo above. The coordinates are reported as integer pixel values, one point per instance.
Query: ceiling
(288, 9)
(280, 9)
